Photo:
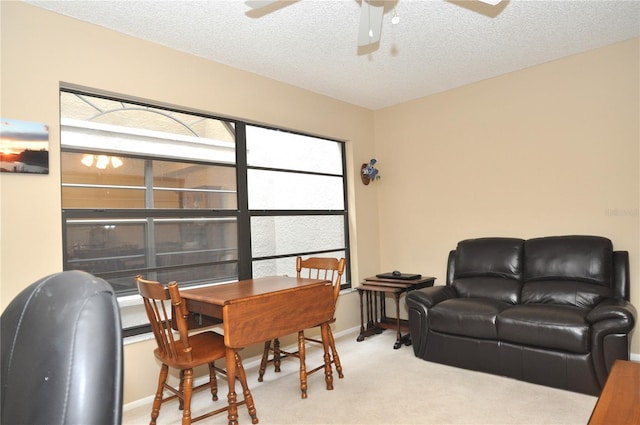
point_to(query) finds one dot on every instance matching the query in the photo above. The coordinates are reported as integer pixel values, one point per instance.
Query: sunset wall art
(24, 147)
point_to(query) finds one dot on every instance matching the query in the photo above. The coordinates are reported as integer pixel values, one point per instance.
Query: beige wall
(548, 150)
(40, 49)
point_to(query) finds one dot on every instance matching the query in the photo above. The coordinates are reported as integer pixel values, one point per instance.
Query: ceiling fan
(371, 14)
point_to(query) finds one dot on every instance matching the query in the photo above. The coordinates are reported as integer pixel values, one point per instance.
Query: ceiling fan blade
(256, 4)
(370, 23)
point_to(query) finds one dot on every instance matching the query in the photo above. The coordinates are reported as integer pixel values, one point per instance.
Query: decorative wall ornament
(24, 147)
(369, 172)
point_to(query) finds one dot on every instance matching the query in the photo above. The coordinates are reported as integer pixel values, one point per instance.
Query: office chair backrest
(61, 347)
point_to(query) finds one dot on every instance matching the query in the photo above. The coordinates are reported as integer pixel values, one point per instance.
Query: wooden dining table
(256, 310)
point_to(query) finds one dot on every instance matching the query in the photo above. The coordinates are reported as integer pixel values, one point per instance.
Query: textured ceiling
(436, 46)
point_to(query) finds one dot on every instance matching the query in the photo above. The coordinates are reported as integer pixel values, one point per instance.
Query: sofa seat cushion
(556, 327)
(473, 317)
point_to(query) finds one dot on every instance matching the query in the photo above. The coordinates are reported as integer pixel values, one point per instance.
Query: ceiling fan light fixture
(371, 16)
(87, 160)
(116, 162)
(395, 18)
(101, 161)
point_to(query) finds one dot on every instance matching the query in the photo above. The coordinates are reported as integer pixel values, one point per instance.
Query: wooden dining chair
(185, 352)
(330, 269)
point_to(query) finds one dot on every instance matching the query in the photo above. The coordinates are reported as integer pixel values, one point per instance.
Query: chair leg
(276, 354)
(181, 390)
(157, 401)
(328, 374)
(248, 398)
(334, 353)
(187, 391)
(265, 360)
(303, 366)
(213, 381)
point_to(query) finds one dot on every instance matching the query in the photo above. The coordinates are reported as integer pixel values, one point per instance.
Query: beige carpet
(387, 386)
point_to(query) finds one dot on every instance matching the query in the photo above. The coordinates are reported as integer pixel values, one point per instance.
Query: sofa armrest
(619, 310)
(432, 295)
(418, 304)
(612, 322)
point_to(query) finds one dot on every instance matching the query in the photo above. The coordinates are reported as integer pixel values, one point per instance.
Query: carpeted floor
(387, 386)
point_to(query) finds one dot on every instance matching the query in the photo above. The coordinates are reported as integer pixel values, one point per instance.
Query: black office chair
(61, 349)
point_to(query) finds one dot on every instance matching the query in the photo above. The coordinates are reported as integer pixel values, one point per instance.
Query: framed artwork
(24, 147)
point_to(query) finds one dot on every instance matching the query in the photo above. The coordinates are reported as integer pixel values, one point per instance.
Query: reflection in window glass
(105, 246)
(199, 274)
(91, 169)
(102, 197)
(135, 117)
(126, 169)
(189, 241)
(85, 185)
(194, 186)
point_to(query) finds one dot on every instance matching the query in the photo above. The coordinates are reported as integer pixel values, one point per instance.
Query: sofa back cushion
(572, 270)
(567, 292)
(494, 288)
(489, 268)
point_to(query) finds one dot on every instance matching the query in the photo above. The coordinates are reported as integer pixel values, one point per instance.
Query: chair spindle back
(155, 297)
(330, 269)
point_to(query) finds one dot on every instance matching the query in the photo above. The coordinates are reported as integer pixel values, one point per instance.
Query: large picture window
(175, 195)
(296, 199)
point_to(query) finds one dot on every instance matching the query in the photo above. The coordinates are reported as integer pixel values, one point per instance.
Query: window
(175, 195)
(296, 198)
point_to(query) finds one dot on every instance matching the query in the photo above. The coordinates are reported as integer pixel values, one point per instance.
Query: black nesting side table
(373, 291)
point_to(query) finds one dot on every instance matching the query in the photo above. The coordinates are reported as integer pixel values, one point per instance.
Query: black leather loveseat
(553, 311)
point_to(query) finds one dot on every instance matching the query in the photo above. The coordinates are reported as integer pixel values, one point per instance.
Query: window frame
(242, 213)
(346, 282)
